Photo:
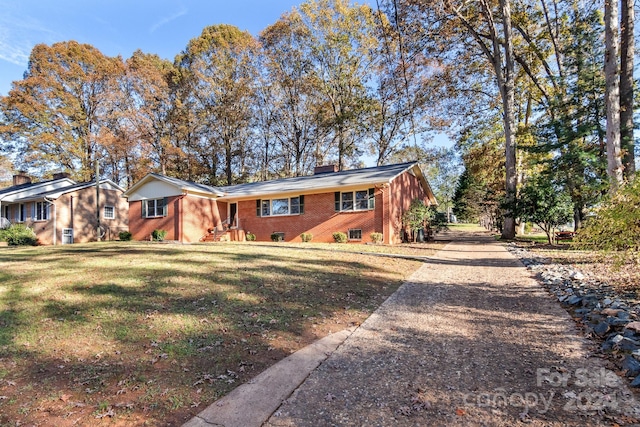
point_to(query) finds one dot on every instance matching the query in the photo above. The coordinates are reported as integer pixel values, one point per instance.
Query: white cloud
(18, 36)
(166, 20)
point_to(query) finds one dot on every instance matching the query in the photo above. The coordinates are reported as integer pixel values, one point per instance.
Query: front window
(41, 211)
(347, 201)
(154, 208)
(275, 207)
(5, 211)
(280, 207)
(360, 200)
(109, 212)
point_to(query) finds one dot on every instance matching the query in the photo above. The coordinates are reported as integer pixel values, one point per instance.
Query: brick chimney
(60, 175)
(325, 169)
(21, 178)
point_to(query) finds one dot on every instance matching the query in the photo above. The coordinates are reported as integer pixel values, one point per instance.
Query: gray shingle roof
(325, 181)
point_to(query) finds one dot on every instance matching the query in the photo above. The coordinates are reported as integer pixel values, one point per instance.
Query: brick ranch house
(62, 211)
(357, 202)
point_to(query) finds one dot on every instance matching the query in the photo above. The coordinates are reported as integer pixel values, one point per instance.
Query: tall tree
(146, 109)
(222, 75)
(341, 43)
(56, 115)
(294, 96)
(612, 94)
(481, 28)
(627, 53)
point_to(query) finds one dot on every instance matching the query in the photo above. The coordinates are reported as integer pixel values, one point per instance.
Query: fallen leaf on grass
(460, 412)
(109, 413)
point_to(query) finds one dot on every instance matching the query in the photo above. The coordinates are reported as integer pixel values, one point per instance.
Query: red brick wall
(187, 220)
(319, 219)
(141, 228)
(199, 215)
(402, 191)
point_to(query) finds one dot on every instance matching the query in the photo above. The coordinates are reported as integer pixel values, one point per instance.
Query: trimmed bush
(159, 234)
(250, 237)
(340, 237)
(376, 237)
(277, 237)
(125, 236)
(18, 235)
(306, 237)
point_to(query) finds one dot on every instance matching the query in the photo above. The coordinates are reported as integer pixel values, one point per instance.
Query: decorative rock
(631, 365)
(623, 315)
(610, 312)
(634, 326)
(627, 344)
(574, 300)
(601, 328)
(576, 275)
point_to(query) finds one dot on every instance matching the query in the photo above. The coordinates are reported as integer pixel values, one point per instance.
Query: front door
(233, 210)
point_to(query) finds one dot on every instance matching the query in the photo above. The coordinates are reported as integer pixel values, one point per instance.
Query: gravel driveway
(471, 339)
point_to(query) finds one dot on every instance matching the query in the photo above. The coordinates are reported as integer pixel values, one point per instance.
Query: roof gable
(25, 191)
(154, 185)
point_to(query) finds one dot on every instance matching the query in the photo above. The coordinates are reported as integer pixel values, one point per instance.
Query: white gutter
(55, 231)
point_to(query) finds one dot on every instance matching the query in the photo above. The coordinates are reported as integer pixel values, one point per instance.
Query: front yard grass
(150, 334)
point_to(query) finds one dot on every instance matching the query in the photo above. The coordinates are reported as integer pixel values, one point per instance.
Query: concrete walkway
(470, 339)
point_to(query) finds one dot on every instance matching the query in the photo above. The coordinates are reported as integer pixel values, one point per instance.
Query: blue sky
(119, 27)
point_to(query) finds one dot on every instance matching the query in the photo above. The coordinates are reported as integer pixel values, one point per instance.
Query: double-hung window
(359, 200)
(153, 208)
(109, 212)
(20, 212)
(41, 211)
(279, 207)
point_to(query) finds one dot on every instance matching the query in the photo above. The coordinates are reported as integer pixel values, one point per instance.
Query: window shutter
(258, 207)
(301, 198)
(337, 201)
(143, 209)
(372, 198)
(33, 210)
(164, 206)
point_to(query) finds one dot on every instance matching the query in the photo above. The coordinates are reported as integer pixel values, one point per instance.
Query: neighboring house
(61, 211)
(357, 202)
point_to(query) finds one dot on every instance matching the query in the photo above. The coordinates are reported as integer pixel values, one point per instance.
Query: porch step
(216, 237)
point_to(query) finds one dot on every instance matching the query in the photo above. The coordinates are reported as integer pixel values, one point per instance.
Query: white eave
(137, 191)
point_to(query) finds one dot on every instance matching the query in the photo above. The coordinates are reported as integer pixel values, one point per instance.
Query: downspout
(55, 228)
(181, 216)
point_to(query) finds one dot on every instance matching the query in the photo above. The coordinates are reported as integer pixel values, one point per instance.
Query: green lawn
(152, 333)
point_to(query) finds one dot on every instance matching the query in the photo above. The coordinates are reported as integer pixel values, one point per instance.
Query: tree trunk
(612, 95)
(508, 103)
(627, 51)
